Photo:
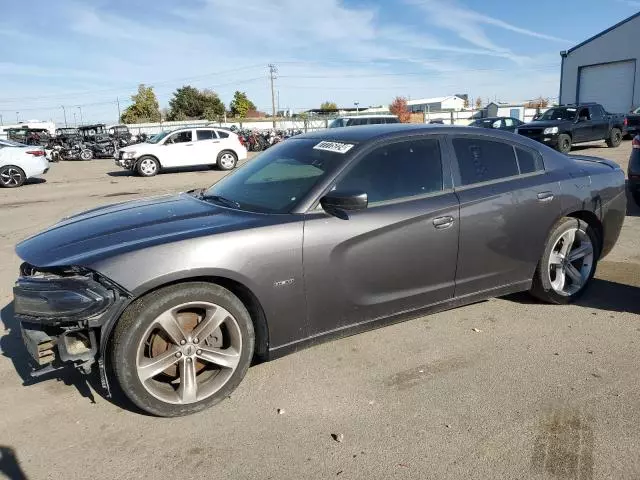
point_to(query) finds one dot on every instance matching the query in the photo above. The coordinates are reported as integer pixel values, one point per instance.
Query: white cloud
(325, 50)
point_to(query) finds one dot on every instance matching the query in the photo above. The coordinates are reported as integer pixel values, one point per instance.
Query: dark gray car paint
(314, 274)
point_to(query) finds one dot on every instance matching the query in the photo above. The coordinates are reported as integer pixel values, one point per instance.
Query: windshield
(159, 136)
(559, 114)
(280, 177)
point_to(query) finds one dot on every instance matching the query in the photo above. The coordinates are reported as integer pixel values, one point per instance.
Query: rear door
(397, 255)
(599, 123)
(207, 146)
(507, 205)
(583, 129)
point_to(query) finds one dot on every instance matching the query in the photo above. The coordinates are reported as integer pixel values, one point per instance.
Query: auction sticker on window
(335, 147)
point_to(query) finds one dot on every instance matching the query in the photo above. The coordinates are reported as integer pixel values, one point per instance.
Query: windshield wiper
(224, 201)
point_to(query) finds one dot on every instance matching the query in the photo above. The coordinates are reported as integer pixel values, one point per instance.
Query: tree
(466, 103)
(539, 102)
(478, 103)
(145, 107)
(328, 106)
(241, 105)
(189, 102)
(399, 108)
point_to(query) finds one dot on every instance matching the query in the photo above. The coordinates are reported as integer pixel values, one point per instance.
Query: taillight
(36, 153)
(636, 142)
(626, 121)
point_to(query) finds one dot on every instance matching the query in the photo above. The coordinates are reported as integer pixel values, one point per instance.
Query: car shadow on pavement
(12, 347)
(35, 181)
(9, 464)
(633, 209)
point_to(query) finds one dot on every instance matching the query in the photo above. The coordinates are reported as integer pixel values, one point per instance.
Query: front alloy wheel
(182, 348)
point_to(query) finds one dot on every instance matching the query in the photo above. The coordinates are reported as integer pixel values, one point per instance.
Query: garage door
(610, 84)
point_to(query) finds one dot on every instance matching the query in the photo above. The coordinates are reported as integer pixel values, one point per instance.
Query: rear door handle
(443, 222)
(545, 196)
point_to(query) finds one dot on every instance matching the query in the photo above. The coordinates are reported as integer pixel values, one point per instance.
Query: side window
(205, 134)
(484, 160)
(584, 112)
(597, 112)
(222, 134)
(508, 122)
(399, 170)
(496, 124)
(392, 120)
(180, 137)
(528, 161)
(376, 121)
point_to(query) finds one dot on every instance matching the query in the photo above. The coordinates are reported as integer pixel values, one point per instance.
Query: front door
(397, 255)
(507, 205)
(178, 150)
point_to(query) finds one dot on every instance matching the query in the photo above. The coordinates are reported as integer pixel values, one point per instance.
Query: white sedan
(19, 162)
(184, 147)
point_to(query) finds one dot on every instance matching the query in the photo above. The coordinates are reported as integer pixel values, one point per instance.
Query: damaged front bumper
(63, 313)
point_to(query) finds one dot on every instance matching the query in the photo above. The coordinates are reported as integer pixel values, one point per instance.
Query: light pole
(75, 122)
(64, 112)
(356, 104)
(17, 117)
(80, 108)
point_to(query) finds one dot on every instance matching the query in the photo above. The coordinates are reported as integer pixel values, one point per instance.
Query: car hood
(545, 123)
(97, 234)
(137, 146)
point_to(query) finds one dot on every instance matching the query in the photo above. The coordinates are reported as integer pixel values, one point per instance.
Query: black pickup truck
(563, 126)
(632, 122)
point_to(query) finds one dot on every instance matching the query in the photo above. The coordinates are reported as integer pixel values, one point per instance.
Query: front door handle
(443, 222)
(545, 196)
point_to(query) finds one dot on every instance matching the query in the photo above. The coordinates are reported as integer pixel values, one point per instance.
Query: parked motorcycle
(104, 149)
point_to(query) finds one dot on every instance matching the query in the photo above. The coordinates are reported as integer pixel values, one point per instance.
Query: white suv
(184, 147)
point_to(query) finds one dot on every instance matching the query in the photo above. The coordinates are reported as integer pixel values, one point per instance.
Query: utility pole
(17, 117)
(80, 108)
(1, 122)
(272, 71)
(64, 112)
(278, 100)
(75, 122)
(118, 102)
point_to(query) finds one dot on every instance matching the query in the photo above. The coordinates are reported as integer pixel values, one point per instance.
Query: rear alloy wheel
(568, 262)
(227, 160)
(615, 138)
(12, 176)
(148, 167)
(564, 143)
(183, 348)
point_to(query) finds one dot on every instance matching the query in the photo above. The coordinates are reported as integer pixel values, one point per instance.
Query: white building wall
(453, 103)
(619, 44)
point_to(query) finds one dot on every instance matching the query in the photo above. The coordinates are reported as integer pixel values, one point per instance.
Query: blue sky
(85, 53)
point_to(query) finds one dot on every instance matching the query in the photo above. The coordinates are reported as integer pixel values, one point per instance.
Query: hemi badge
(284, 283)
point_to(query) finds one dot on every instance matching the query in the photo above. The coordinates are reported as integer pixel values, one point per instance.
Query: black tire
(541, 287)
(227, 160)
(147, 166)
(615, 138)
(138, 317)
(564, 143)
(12, 176)
(86, 154)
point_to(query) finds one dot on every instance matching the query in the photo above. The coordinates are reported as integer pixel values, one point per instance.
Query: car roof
(364, 115)
(366, 133)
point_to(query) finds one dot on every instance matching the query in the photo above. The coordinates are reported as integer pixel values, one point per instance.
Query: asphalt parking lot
(539, 391)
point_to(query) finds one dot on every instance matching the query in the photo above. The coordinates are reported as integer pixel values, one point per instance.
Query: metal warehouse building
(604, 68)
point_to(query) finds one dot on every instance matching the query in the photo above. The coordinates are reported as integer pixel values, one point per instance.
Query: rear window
(484, 160)
(528, 161)
(206, 134)
(222, 134)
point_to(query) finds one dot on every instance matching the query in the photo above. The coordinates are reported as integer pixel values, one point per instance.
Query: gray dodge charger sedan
(322, 236)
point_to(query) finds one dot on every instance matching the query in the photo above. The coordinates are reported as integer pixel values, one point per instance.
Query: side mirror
(342, 201)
